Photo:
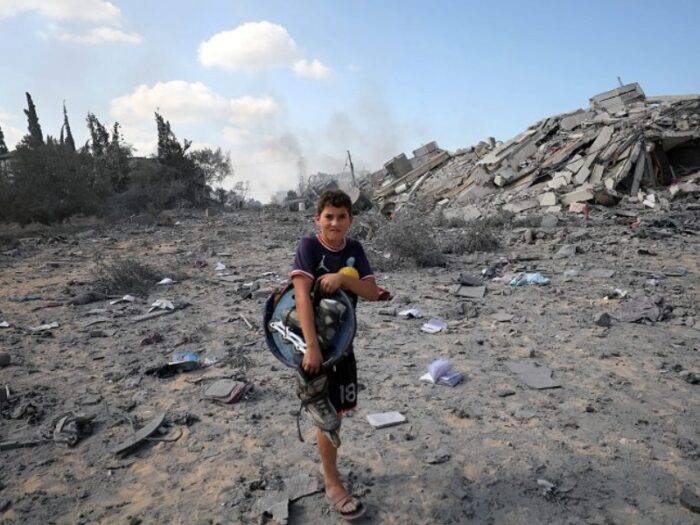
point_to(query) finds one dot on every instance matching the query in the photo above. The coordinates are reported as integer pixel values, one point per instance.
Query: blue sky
(289, 86)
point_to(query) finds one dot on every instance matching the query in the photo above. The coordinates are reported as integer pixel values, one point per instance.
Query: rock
(4, 359)
(690, 500)
(602, 319)
(568, 250)
(505, 392)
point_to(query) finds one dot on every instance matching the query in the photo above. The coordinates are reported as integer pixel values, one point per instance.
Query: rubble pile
(625, 145)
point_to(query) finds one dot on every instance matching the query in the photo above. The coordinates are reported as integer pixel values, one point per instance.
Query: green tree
(214, 164)
(118, 155)
(173, 155)
(35, 137)
(99, 136)
(49, 184)
(3, 146)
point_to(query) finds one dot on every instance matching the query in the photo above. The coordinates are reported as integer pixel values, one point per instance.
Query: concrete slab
(575, 120)
(597, 174)
(602, 139)
(580, 195)
(518, 207)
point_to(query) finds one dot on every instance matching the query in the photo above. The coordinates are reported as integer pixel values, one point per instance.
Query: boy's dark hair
(336, 198)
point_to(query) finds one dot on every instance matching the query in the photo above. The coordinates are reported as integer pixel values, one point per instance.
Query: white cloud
(88, 10)
(313, 69)
(98, 35)
(180, 101)
(236, 135)
(249, 47)
(254, 46)
(245, 109)
(143, 138)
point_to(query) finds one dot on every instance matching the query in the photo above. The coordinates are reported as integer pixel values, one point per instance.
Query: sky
(288, 87)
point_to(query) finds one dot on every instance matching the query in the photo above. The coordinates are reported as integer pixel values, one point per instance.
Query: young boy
(320, 258)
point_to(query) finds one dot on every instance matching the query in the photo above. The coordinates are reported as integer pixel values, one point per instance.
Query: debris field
(577, 404)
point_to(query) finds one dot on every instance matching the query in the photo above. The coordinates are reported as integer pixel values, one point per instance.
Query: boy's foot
(345, 504)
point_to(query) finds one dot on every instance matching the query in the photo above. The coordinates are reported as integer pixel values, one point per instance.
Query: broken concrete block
(505, 176)
(580, 195)
(398, 166)
(597, 174)
(602, 139)
(618, 97)
(553, 209)
(575, 164)
(575, 120)
(548, 199)
(559, 180)
(518, 207)
(582, 175)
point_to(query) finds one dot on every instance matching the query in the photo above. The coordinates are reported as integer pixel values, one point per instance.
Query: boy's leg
(342, 391)
(335, 490)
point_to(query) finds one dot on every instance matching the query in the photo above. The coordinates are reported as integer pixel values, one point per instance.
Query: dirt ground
(618, 441)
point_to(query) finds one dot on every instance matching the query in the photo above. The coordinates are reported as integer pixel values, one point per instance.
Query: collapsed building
(624, 145)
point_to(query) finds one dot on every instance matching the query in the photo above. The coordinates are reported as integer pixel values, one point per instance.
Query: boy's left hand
(331, 282)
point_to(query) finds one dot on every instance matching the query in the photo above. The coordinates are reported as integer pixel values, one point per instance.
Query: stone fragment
(548, 199)
(690, 500)
(602, 319)
(568, 250)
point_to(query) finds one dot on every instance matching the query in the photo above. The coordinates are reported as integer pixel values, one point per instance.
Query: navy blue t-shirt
(315, 258)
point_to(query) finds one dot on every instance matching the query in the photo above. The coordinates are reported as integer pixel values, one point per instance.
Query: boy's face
(333, 223)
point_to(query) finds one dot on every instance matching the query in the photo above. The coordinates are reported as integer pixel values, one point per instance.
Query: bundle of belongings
(335, 328)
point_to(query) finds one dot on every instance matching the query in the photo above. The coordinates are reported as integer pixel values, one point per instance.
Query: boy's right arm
(302, 292)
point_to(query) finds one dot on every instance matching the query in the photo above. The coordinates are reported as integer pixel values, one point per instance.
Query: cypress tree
(69, 142)
(36, 137)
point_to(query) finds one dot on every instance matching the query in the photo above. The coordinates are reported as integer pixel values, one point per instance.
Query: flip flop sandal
(338, 504)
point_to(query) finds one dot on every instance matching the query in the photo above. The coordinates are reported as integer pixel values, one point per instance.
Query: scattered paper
(166, 281)
(440, 372)
(411, 313)
(434, 326)
(4, 324)
(220, 267)
(125, 299)
(162, 304)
